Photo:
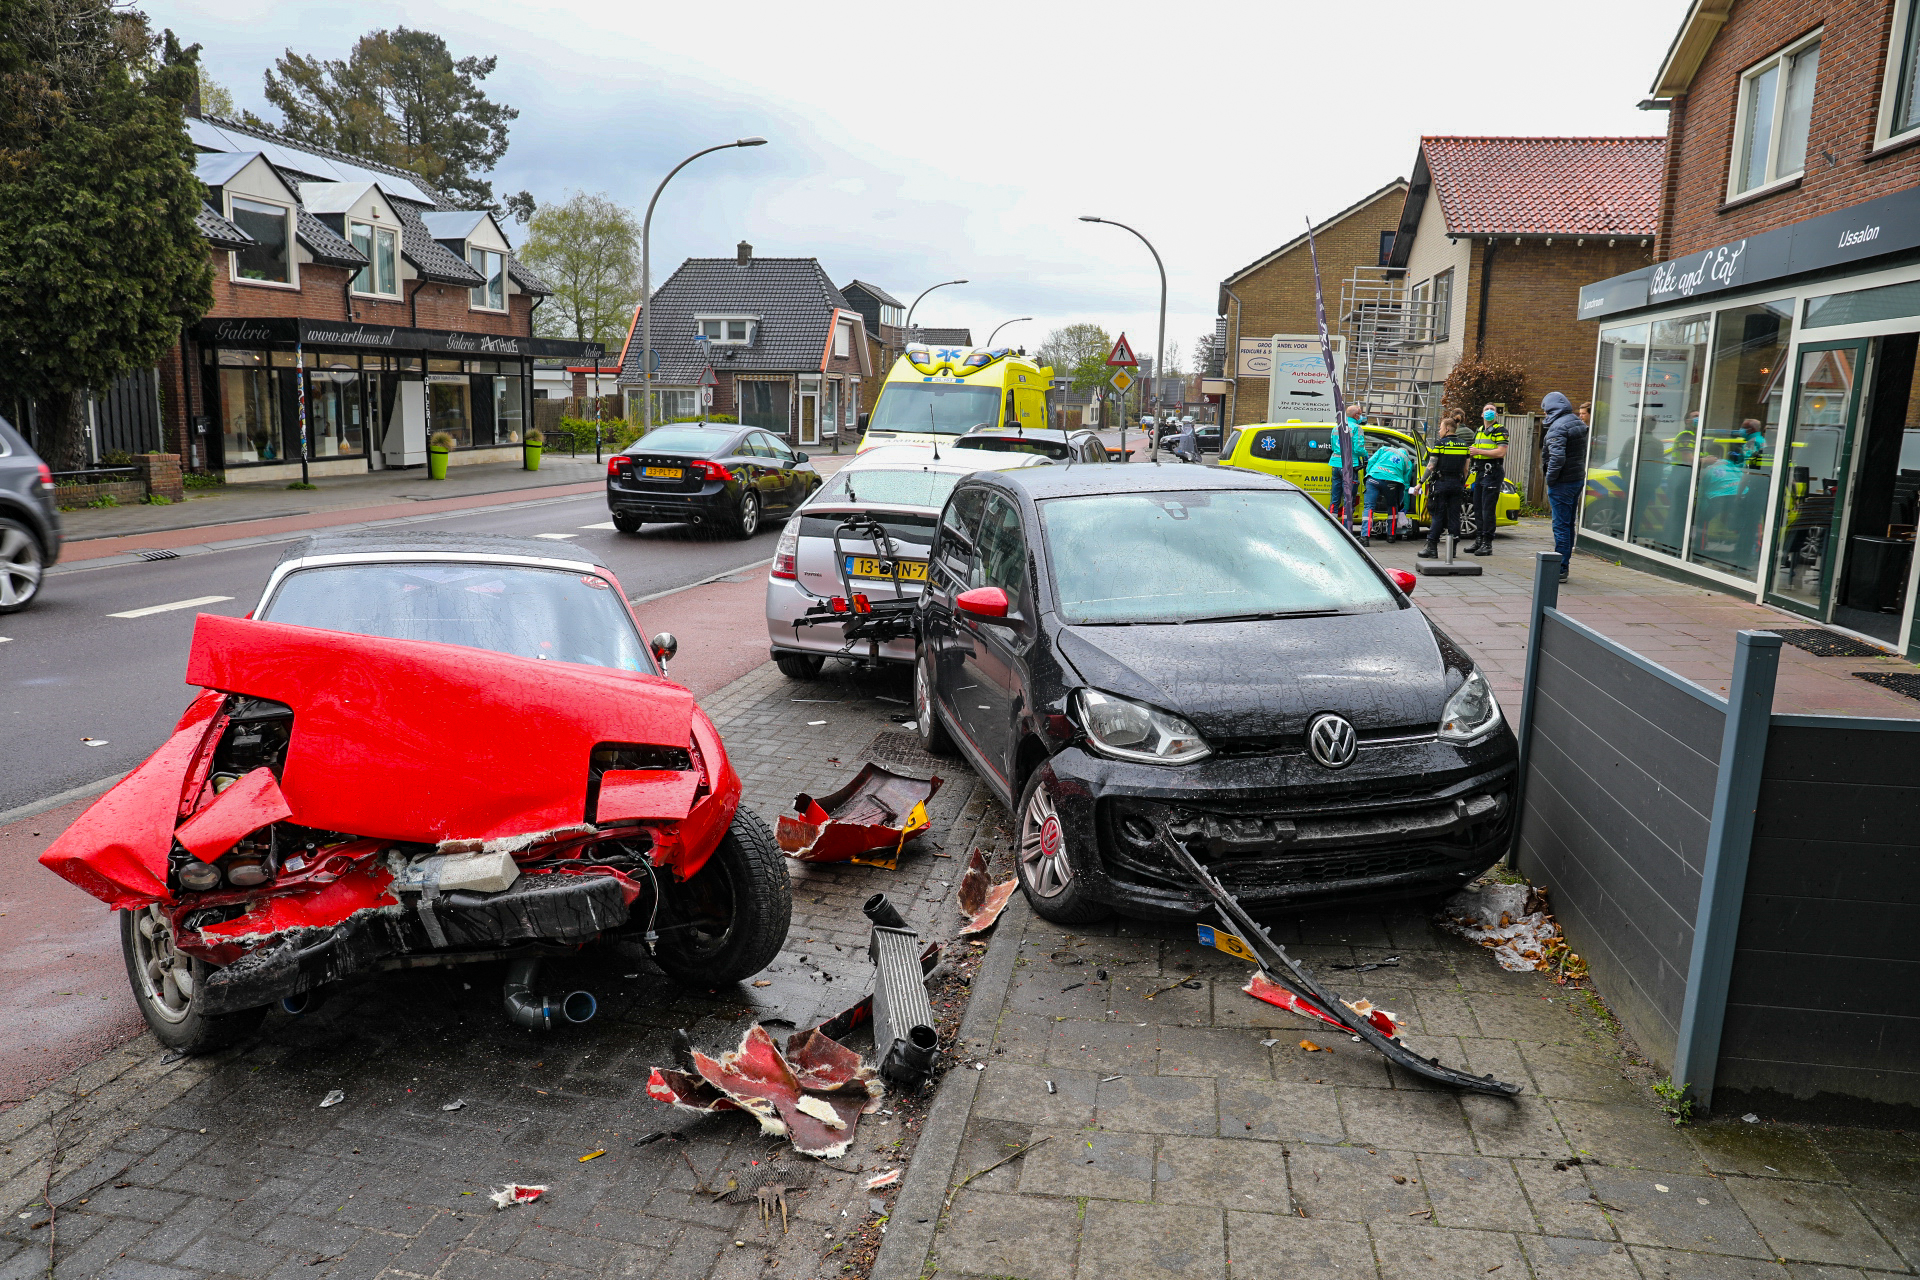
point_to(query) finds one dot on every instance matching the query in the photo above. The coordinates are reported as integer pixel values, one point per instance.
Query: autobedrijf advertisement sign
(1299, 388)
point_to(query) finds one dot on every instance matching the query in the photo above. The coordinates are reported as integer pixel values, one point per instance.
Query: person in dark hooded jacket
(1565, 467)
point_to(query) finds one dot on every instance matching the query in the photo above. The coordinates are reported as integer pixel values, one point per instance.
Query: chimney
(745, 253)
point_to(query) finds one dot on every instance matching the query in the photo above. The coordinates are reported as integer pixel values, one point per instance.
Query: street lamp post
(1003, 324)
(916, 302)
(1160, 344)
(646, 279)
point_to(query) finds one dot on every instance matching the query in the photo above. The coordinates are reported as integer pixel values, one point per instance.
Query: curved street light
(1003, 324)
(646, 278)
(1160, 344)
(908, 326)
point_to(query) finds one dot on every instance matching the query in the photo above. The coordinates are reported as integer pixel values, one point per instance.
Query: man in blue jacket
(1566, 471)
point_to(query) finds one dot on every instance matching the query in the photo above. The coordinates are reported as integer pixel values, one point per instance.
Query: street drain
(1822, 643)
(158, 555)
(1904, 683)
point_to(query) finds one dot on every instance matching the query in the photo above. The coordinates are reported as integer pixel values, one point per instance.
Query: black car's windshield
(1198, 557)
(679, 440)
(935, 408)
(890, 488)
(533, 613)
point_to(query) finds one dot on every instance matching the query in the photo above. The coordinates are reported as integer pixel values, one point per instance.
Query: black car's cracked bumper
(1280, 831)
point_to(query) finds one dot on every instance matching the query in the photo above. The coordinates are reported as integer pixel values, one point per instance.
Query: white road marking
(557, 537)
(6, 639)
(604, 524)
(165, 608)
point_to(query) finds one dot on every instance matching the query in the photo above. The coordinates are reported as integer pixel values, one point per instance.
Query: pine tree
(101, 260)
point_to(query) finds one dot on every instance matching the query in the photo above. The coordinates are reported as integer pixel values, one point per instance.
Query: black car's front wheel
(730, 919)
(1047, 876)
(746, 516)
(166, 984)
(21, 568)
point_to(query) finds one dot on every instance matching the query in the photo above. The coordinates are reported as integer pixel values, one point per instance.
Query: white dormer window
(894, 317)
(381, 248)
(724, 330)
(492, 294)
(843, 339)
(270, 261)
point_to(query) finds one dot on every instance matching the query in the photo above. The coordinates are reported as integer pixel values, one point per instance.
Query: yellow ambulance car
(934, 393)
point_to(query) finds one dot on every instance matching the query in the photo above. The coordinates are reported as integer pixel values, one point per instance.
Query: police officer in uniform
(1446, 482)
(1489, 453)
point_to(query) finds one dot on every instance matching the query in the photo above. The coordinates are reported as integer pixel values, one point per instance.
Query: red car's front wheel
(166, 985)
(730, 919)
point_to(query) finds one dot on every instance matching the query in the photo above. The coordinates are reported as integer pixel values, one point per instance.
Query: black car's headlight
(1128, 730)
(1472, 712)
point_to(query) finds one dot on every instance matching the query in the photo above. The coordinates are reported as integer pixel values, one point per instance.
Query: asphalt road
(89, 692)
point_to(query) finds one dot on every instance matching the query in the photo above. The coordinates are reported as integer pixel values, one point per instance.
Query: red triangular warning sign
(1122, 354)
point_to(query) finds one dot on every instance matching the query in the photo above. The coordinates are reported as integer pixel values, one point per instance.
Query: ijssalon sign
(1890, 224)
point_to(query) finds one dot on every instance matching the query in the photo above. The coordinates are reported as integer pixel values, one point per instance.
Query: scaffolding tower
(1388, 328)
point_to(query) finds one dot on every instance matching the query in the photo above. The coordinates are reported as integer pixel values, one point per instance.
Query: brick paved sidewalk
(1182, 1145)
(227, 1165)
(1684, 628)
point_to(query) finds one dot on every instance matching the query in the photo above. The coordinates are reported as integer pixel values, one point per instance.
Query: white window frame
(1442, 305)
(1779, 59)
(843, 339)
(293, 245)
(477, 294)
(377, 229)
(893, 317)
(1884, 130)
(724, 321)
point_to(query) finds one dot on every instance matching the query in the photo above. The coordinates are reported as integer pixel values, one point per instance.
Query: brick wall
(1278, 297)
(1846, 102)
(160, 473)
(1532, 304)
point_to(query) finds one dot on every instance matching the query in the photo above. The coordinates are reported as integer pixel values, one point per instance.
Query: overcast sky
(912, 143)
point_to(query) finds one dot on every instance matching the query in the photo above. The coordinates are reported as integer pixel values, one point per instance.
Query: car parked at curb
(29, 521)
(1061, 446)
(866, 532)
(1130, 653)
(707, 473)
(425, 749)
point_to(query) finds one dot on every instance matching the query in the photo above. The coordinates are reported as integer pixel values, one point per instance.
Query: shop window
(509, 409)
(335, 427)
(270, 261)
(450, 408)
(1618, 373)
(249, 414)
(764, 405)
(1888, 302)
(1669, 433)
(380, 245)
(491, 295)
(1740, 432)
(1776, 111)
(1900, 97)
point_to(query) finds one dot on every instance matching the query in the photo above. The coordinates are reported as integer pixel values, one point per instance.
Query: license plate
(1221, 940)
(871, 567)
(662, 473)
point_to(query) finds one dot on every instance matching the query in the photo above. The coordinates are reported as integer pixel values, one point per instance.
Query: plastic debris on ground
(515, 1193)
(334, 1098)
(867, 821)
(813, 1094)
(1511, 920)
(1261, 987)
(886, 1179)
(982, 901)
(455, 1105)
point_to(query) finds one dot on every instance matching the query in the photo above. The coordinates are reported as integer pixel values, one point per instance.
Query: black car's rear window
(516, 609)
(679, 440)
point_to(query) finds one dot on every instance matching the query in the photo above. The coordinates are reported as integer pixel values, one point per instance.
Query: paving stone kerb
(227, 1165)
(1179, 1143)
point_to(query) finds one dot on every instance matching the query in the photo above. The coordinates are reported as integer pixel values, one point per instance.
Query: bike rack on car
(861, 618)
(1288, 971)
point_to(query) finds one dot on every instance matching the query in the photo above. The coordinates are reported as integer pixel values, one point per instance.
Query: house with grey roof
(357, 313)
(769, 340)
(886, 318)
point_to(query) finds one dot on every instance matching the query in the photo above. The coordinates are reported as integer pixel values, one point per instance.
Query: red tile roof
(1547, 186)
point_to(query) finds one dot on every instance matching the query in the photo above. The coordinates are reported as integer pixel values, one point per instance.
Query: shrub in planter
(531, 447)
(439, 445)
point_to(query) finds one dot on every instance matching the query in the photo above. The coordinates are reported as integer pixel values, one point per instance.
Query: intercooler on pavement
(903, 1031)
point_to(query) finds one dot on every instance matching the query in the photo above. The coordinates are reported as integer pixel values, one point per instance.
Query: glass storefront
(1816, 457)
(1618, 374)
(450, 407)
(1669, 433)
(249, 408)
(1744, 404)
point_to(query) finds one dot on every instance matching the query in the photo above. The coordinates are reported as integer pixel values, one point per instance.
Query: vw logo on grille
(1331, 740)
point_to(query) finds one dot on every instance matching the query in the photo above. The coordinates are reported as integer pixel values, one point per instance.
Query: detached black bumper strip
(1286, 970)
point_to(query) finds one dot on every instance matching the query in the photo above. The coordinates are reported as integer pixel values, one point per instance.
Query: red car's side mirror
(1403, 580)
(983, 602)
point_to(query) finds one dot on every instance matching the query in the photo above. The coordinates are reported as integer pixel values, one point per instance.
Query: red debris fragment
(816, 1107)
(876, 813)
(981, 901)
(1261, 987)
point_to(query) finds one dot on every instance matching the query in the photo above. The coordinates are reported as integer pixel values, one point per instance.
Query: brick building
(771, 340)
(1274, 294)
(356, 313)
(1756, 417)
(886, 319)
(1499, 234)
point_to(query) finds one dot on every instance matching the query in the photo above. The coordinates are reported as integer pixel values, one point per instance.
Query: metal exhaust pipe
(537, 1012)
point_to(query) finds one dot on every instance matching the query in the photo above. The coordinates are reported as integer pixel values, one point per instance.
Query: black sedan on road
(707, 473)
(1127, 651)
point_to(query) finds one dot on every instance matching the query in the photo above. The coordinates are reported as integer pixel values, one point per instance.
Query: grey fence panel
(1824, 1007)
(1619, 797)
(128, 416)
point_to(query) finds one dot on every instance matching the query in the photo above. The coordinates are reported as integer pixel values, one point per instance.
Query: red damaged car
(425, 749)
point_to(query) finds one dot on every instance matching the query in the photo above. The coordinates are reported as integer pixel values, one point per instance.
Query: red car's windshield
(515, 609)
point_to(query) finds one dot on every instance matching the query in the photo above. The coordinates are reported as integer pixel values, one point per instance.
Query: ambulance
(935, 393)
